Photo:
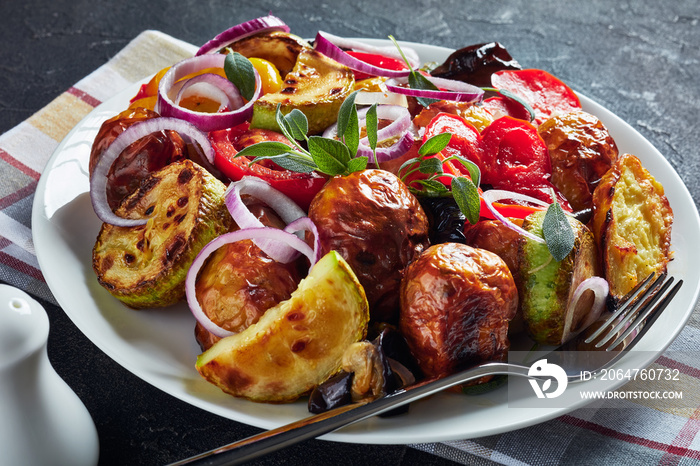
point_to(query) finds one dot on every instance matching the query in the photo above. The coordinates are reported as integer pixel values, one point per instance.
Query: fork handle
(267, 442)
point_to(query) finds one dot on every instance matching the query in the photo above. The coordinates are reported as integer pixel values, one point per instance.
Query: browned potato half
(631, 222)
(146, 266)
(378, 226)
(456, 302)
(581, 151)
(495, 236)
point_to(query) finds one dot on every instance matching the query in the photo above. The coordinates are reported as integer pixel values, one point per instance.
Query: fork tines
(636, 309)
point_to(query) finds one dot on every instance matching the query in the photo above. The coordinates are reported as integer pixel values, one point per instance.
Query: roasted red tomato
(380, 61)
(300, 187)
(547, 94)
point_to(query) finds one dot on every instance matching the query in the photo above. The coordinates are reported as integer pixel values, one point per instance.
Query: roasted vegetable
(140, 159)
(278, 47)
(546, 285)
(317, 86)
(295, 345)
(145, 266)
(378, 226)
(475, 64)
(239, 282)
(631, 222)
(581, 151)
(456, 302)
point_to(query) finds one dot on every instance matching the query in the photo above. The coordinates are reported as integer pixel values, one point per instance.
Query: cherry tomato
(380, 61)
(502, 106)
(300, 187)
(465, 140)
(546, 93)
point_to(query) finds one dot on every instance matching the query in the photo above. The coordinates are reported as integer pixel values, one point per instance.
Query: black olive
(476, 63)
(445, 220)
(332, 393)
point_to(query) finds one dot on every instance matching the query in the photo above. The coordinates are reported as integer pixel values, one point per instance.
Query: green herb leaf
(347, 108)
(290, 162)
(240, 71)
(430, 165)
(466, 195)
(297, 124)
(435, 144)
(330, 156)
(418, 81)
(471, 167)
(558, 232)
(357, 164)
(372, 126)
(352, 134)
(433, 187)
(264, 149)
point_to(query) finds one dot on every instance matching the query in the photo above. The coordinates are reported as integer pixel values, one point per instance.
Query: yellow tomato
(269, 76)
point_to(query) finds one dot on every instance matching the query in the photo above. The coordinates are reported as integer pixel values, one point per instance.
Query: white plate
(159, 347)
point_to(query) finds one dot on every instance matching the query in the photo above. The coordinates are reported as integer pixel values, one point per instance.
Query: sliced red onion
(497, 195)
(241, 31)
(214, 87)
(491, 196)
(270, 234)
(387, 51)
(384, 154)
(170, 85)
(330, 45)
(286, 208)
(449, 89)
(98, 180)
(380, 98)
(306, 224)
(600, 288)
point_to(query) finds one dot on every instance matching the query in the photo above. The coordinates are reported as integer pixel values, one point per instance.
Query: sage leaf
(372, 126)
(430, 165)
(435, 144)
(471, 167)
(558, 232)
(297, 124)
(330, 156)
(290, 162)
(347, 108)
(240, 71)
(352, 134)
(264, 149)
(357, 164)
(418, 81)
(466, 196)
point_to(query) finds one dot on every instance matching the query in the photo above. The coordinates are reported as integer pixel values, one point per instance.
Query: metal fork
(634, 315)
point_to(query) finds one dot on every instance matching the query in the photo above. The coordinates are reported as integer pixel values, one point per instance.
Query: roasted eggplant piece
(146, 266)
(581, 151)
(456, 303)
(632, 221)
(372, 219)
(445, 218)
(546, 285)
(476, 63)
(140, 159)
(295, 345)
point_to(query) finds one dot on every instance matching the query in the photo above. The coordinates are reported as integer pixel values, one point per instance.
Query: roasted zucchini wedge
(631, 222)
(546, 286)
(317, 86)
(145, 266)
(297, 344)
(278, 47)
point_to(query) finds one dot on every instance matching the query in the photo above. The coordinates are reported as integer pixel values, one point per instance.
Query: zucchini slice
(146, 266)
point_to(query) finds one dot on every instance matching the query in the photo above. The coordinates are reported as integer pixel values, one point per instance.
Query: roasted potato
(145, 266)
(140, 159)
(456, 302)
(378, 226)
(581, 151)
(631, 222)
(295, 345)
(495, 236)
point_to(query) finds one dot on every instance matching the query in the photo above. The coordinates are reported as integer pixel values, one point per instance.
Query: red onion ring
(600, 288)
(286, 208)
(273, 234)
(330, 45)
(448, 90)
(384, 154)
(205, 121)
(241, 31)
(214, 87)
(306, 224)
(491, 196)
(98, 180)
